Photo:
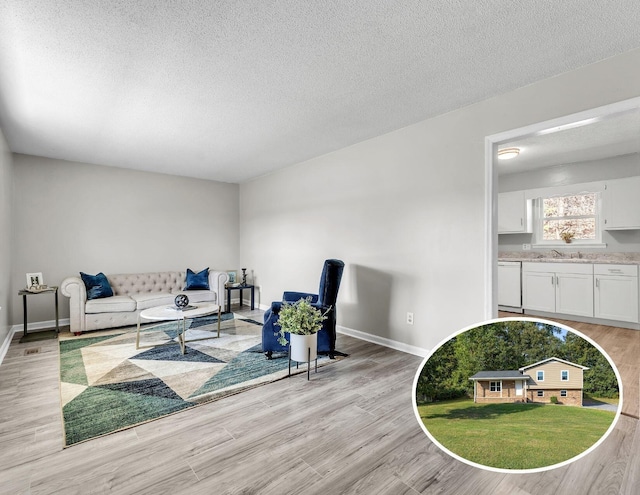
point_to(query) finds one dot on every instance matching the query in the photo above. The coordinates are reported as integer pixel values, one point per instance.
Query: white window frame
(564, 379)
(538, 379)
(538, 216)
(563, 393)
(540, 393)
(498, 386)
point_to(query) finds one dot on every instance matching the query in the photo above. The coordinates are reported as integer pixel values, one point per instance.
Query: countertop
(572, 257)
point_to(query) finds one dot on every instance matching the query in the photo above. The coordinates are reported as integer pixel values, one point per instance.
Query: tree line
(509, 345)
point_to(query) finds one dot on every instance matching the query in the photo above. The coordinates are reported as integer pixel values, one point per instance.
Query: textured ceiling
(230, 90)
(615, 135)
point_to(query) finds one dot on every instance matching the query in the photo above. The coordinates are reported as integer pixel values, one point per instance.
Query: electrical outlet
(526, 247)
(409, 318)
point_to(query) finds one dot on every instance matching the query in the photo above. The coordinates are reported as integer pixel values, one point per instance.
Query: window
(574, 216)
(495, 386)
(540, 376)
(540, 393)
(564, 375)
(563, 393)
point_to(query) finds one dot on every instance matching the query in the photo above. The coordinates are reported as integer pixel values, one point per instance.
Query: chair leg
(269, 354)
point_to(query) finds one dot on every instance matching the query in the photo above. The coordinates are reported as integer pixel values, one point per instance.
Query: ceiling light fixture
(508, 153)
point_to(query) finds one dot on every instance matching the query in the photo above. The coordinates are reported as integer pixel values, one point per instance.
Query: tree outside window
(565, 218)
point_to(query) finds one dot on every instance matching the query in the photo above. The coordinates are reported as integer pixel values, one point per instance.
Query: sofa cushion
(97, 285)
(113, 304)
(198, 280)
(152, 299)
(196, 296)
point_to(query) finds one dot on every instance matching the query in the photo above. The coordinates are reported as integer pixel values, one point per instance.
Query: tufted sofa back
(139, 283)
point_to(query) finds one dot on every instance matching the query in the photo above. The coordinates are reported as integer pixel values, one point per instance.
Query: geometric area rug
(107, 385)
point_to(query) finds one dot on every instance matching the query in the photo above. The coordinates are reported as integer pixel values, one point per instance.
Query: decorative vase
(304, 348)
(181, 301)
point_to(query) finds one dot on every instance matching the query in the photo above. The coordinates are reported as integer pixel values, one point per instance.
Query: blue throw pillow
(198, 280)
(97, 285)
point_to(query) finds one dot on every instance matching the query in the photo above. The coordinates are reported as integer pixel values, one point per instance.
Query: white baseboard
(5, 345)
(582, 319)
(35, 326)
(393, 344)
(39, 325)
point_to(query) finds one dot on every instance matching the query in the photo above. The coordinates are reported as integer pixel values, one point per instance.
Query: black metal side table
(25, 292)
(241, 288)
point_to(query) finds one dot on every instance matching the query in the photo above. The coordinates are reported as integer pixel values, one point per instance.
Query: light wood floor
(351, 429)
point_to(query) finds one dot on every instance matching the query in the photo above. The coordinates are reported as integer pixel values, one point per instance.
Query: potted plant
(567, 235)
(302, 321)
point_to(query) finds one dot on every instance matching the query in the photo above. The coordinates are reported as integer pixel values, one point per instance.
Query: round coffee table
(170, 313)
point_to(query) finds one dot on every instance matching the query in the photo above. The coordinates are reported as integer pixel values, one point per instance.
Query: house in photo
(537, 382)
(555, 377)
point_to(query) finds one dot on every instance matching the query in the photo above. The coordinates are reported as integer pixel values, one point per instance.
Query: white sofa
(132, 293)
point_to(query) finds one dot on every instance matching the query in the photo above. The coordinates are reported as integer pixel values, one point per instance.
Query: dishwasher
(510, 286)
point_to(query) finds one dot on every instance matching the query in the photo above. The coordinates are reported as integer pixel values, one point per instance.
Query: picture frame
(35, 279)
(233, 276)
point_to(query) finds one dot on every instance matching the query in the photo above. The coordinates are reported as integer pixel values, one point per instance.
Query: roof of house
(554, 359)
(498, 375)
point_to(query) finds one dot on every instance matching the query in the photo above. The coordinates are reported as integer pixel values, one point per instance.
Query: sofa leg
(77, 333)
(269, 354)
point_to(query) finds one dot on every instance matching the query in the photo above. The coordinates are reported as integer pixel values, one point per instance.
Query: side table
(24, 293)
(241, 289)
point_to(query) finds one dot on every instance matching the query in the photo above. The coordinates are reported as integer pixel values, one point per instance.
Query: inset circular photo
(517, 395)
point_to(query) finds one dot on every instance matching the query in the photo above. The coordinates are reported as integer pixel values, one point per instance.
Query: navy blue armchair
(325, 299)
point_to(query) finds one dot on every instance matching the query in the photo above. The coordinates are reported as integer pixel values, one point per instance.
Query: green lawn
(514, 436)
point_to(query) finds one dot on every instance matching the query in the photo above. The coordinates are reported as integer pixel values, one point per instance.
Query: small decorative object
(244, 276)
(34, 280)
(232, 279)
(181, 301)
(567, 236)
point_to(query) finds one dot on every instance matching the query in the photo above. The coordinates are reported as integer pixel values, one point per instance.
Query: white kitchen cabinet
(616, 292)
(621, 204)
(565, 288)
(509, 287)
(538, 290)
(514, 213)
(574, 293)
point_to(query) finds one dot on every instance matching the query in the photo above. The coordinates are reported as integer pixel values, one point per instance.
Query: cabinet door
(539, 291)
(616, 298)
(574, 294)
(621, 204)
(514, 213)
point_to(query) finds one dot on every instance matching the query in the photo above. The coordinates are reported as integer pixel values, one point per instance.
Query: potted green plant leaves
(302, 321)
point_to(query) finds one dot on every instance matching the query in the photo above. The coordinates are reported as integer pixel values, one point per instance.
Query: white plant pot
(300, 346)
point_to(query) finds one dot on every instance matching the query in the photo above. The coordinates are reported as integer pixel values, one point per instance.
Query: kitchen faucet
(554, 253)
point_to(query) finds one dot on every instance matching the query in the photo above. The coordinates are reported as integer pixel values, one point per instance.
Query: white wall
(405, 210)
(622, 241)
(72, 217)
(6, 186)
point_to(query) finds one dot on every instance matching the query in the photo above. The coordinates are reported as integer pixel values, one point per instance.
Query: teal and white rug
(107, 385)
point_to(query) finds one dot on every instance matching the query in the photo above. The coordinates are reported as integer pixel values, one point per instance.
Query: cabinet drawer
(627, 270)
(544, 267)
